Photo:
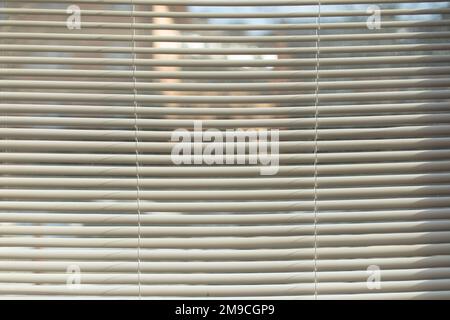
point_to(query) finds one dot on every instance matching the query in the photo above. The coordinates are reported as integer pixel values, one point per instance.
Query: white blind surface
(93, 205)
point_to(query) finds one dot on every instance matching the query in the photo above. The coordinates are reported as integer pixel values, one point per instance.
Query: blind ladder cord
(136, 139)
(316, 135)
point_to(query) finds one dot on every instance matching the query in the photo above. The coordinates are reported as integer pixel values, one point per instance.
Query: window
(210, 148)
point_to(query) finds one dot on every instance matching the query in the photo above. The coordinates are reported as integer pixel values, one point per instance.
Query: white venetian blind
(93, 205)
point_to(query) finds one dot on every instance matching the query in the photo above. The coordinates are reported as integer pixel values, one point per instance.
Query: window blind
(93, 204)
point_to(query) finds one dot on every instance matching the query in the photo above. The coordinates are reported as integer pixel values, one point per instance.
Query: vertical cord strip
(316, 136)
(136, 140)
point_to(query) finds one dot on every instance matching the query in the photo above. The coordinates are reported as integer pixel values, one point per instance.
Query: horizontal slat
(424, 107)
(229, 278)
(275, 74)
(234, 15)
(228, 51)
(306, 122)
(236, 2)
(289, 86)
(235, 218)
(228, 267)
(106, 135)
(97, 254)
(167, 147)
(101, 134)
(405, 288)
(221, 183)
(413, 295)
(407, 59)
(364, 96)
(184, 243)
(280, 194)
(226, 39)
(414, 169)
(267, 206)
(329, 157)
(230, 231)
(210, 26)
